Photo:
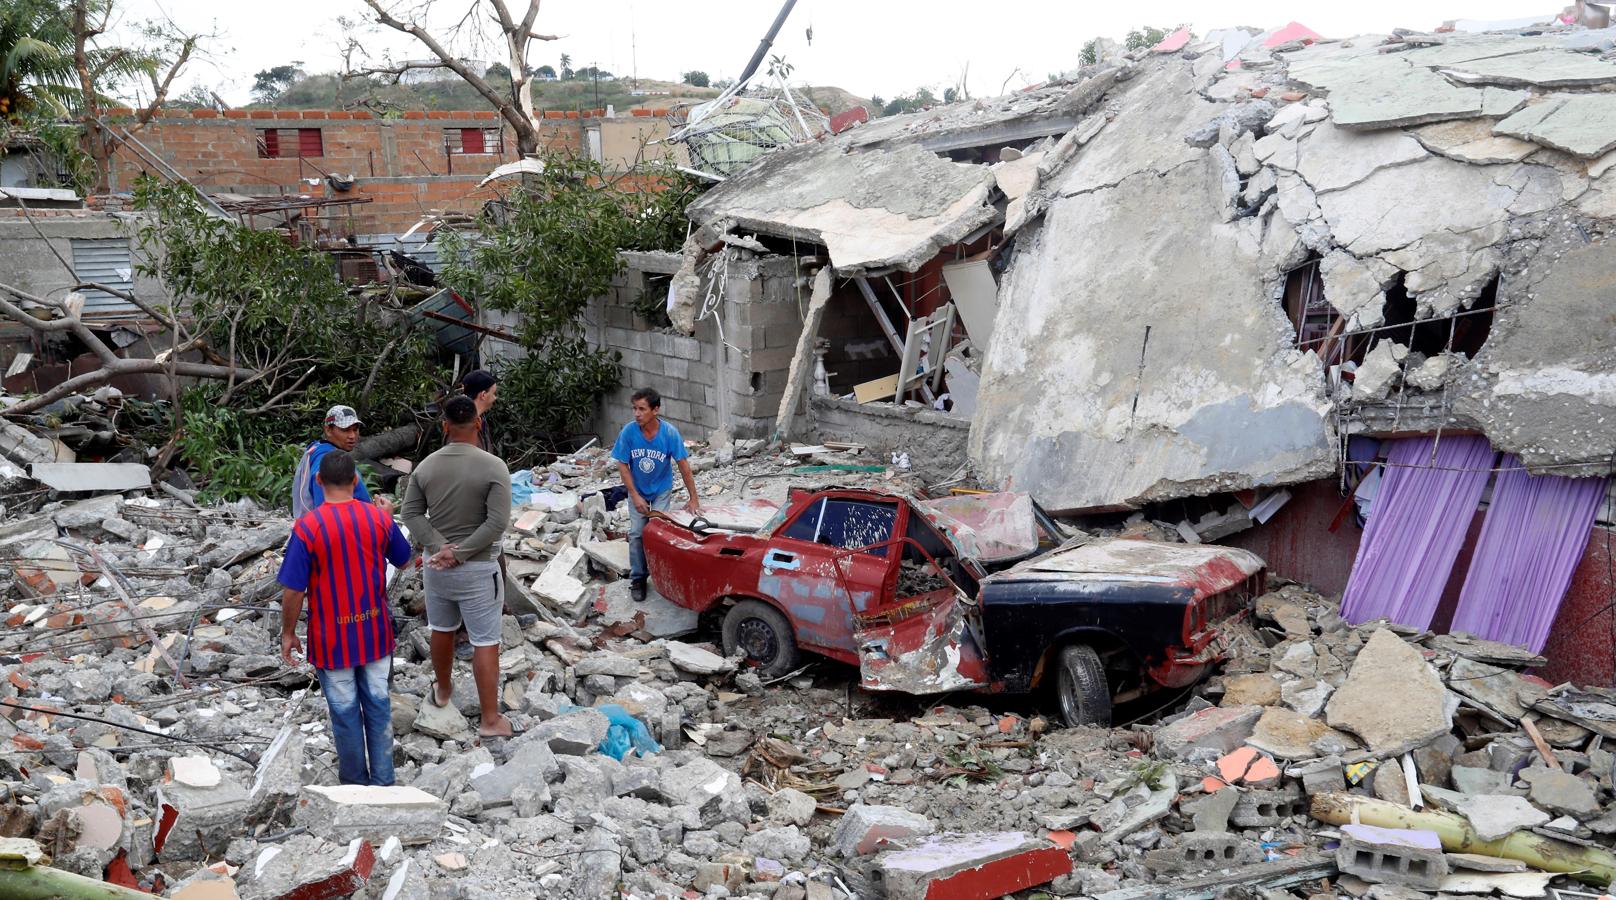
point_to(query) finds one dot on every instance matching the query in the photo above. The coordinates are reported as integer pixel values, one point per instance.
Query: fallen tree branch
(118, 368)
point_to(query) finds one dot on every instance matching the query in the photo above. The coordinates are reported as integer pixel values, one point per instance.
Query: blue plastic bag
(522, 489)
(624, 734)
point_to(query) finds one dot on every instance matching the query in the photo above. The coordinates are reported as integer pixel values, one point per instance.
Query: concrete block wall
(706, 383)
(935, 441)
(683, 369)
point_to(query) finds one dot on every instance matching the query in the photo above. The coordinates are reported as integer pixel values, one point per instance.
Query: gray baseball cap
(341, 416)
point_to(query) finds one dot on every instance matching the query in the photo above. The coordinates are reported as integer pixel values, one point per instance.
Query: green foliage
(1147, 36)
(269, 84)
(36, 58)
(920, 99)
(697, 78)
(950, 95)
(543, 71)
(280, 310)
(555, 249)
(241, 456)
(779, 68)
(1091, 52)
(651, 304)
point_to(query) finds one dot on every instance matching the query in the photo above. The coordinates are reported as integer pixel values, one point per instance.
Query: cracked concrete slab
(1251, 411)
(1473, 141)
(1369, 92)
(1397, 206)
(871, 209)
(1333, 158)
(1136, 140)
(1541, 68)
(1580, 124)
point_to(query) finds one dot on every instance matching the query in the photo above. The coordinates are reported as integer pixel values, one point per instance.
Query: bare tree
(169, 50)
(515, 101)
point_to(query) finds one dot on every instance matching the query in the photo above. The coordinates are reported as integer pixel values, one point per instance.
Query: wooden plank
(879, 389)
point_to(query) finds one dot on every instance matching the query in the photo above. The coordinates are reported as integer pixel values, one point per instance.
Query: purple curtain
(1536, 529)
(1416, 527)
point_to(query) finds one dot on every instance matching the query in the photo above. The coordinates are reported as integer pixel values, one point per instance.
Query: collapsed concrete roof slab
(1222, 401)
(1580, 124)
(872, 209)
(1369, 90)
(1547, 378)
(1137, 140)
(1540, 68)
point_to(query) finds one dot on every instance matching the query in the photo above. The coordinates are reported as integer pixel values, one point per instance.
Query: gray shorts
(473, 593)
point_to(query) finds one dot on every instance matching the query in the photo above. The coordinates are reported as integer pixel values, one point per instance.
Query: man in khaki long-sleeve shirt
(467, 494)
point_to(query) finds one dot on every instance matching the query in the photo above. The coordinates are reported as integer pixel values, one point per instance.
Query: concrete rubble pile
(171, 750)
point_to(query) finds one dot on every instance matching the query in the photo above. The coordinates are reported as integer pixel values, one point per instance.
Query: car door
(829, 563)
(922, 637)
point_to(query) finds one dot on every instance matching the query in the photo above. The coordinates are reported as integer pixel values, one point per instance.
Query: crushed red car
(959, 593)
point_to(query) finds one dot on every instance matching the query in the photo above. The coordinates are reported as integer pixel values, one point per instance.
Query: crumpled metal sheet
(987, 527)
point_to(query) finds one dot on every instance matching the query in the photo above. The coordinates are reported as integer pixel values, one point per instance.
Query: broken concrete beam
(194, 821)
(1221, 728)
(307, 868)
(865, 828)
(99, 477)
(972, 867)
(695, 660)
(1388, 666)
(1410, 858)
(558, 586)
(1588, 864)
(346, 811)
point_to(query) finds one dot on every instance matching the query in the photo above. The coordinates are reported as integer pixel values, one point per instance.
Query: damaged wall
(731, 373)
(1460, 163)
(1090, 413)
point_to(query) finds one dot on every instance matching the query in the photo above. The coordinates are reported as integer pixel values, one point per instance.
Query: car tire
(1085, 697)
(760, 632)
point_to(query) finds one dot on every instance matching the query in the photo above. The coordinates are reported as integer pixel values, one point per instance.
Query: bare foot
(500, 728)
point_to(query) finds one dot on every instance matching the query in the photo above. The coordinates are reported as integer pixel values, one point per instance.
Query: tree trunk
(388, 443)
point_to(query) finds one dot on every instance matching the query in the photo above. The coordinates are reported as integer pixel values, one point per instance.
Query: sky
(884, 47)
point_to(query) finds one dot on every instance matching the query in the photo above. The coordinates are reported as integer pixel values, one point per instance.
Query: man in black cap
(483, 389)
(341, 433)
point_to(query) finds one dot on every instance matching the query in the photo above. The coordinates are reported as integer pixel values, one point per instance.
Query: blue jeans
(361, 721)
(636, 530)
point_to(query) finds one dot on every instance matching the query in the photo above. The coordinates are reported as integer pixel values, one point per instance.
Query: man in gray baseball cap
(341, 433)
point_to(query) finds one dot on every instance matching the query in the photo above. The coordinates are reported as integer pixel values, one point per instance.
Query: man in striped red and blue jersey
(337, 558)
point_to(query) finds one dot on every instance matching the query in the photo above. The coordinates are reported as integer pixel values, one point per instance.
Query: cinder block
(1262, 809)
(782, 335)
(687, 348)
(1196, 852)
(1393, 856)
(778, 359)
(674, 367)
(701, 373)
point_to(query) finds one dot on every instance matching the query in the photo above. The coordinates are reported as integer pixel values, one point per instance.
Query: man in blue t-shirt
(341, 433)
(645, 451)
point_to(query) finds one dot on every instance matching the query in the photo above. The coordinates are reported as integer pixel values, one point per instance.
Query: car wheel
(760, 632)
(1085, 697)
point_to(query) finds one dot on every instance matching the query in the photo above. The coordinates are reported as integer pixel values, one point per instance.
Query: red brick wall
(400, 164)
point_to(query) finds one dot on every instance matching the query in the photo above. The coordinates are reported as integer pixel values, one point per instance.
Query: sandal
(432, 696)
(515, 732)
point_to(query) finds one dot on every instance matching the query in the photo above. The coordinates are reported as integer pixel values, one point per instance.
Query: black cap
(477, 381)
